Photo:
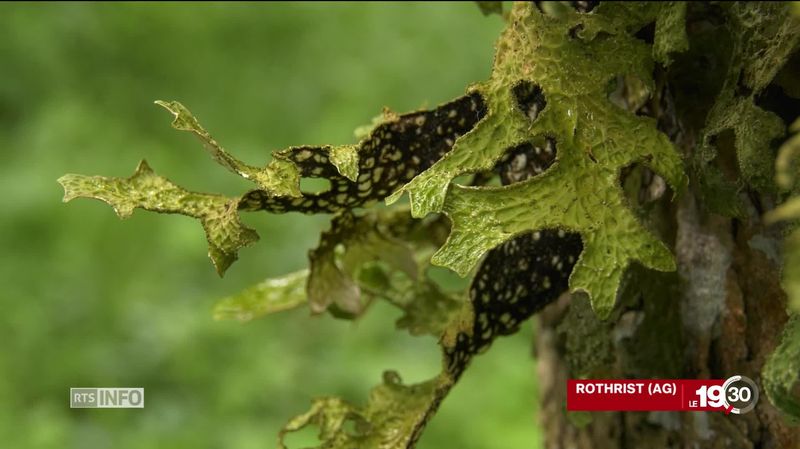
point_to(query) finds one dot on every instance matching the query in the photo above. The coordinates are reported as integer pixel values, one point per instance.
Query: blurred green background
(89, 300)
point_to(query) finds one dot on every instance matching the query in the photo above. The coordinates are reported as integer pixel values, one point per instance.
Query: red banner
(736, 394)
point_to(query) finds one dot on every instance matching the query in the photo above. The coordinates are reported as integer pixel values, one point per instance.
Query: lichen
(781, 373)
(560, 220)
(763, 35)
(789, 210)
(270, 296)
(572, 59)
(146, 190)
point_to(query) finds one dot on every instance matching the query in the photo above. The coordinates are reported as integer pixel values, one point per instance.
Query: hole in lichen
(530, 98)
(615, 92)
(307, 436)
(484, 179)
(463, 180)
(584, 6)
(552, 9)
(557, 9)
(742, 89)
(478, 179)
(355, 425)
(526, 160)
(641, 185)
(447, 279)
(647, 33)
(782, 95)
(314, 185)
(774, 98)
(574, 31)
(628, 92)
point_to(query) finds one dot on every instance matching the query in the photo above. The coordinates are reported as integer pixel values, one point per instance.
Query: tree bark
(721, 314)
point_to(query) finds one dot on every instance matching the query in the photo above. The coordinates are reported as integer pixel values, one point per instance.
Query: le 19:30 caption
(736, 394)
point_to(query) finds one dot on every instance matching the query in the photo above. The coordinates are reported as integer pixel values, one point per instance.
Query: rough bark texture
(721, 314)
(731, 310)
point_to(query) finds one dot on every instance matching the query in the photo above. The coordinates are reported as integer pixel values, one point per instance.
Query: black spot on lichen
(393, 154)
(515, 280)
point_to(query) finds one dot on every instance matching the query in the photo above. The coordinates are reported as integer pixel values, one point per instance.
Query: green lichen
(580, 192)
(781, 373)
(670, 32)
(595, 140)
(786, 168)
(270, 296)
(763, 35)
(786, 164)
(345, 158)
(362, 240)
(391, 419)
(144, 189)
(279, 177)
(553, 73)
(380, 255)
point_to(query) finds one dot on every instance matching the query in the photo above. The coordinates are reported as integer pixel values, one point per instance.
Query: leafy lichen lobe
(543, 121)
(570, 59)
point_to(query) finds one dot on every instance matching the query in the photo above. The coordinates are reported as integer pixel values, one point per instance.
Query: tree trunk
(721, 314)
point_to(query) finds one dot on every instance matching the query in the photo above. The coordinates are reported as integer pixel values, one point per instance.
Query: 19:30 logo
(738, 395)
